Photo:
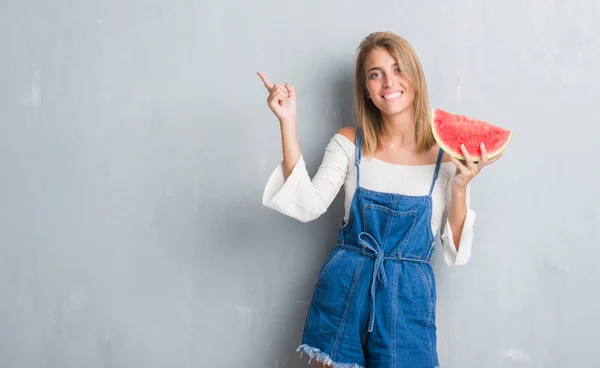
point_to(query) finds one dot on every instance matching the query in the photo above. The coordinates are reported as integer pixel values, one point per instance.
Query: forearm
(457, 212)
(290, 147)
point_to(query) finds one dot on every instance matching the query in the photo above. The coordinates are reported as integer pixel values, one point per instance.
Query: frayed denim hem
(323, 358)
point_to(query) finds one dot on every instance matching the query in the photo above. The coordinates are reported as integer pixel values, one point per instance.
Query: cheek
(370, 90)
(410, 92)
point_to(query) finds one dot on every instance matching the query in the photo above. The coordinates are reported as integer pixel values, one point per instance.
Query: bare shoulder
(349, 132)
(445, 157)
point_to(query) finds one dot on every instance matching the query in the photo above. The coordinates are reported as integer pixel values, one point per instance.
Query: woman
(374, 299)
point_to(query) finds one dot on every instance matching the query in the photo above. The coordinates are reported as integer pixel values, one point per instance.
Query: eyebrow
(376, 67)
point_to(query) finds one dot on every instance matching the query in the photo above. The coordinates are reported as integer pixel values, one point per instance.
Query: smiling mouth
(392, 96)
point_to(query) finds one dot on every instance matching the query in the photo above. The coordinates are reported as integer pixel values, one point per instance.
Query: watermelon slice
(450, 130)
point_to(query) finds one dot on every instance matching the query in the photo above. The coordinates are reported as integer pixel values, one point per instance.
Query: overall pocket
(334, 255)
(389, 227)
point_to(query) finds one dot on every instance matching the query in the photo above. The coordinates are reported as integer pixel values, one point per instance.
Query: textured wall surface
(135, 143)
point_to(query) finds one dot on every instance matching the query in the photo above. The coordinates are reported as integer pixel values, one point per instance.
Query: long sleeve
(300, 197)
(451, 255)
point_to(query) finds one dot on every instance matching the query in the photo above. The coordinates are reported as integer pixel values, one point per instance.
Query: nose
(389, 81)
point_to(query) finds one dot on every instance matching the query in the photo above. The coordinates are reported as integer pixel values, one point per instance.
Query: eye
(374, 75)
(398, 70)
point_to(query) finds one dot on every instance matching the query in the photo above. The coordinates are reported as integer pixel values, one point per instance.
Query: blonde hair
(367, 115)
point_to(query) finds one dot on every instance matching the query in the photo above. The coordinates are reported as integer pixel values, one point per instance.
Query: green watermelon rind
(458, 155)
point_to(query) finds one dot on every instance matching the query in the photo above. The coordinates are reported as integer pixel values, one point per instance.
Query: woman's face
(386, 85)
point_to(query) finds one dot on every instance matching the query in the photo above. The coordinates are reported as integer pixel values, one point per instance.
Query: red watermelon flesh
(452, 130)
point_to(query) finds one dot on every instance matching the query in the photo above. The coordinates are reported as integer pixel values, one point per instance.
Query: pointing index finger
(266, 81)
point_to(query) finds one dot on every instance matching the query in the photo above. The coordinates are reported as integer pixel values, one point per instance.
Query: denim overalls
(374, 300)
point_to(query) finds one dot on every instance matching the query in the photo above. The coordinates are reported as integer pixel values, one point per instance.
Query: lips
(392, 96)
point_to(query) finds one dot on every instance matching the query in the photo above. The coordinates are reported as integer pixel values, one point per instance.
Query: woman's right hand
(281, 100)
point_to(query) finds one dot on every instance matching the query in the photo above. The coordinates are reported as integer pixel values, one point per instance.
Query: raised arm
(282, 101)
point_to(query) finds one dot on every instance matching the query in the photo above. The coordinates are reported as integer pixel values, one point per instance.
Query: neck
(399, 128)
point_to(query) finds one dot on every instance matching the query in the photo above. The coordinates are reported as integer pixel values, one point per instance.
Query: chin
(386, 110)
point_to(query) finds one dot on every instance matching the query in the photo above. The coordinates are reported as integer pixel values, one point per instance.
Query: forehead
(379, 57)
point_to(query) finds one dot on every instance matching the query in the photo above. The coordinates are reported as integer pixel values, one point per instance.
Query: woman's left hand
(466, 172)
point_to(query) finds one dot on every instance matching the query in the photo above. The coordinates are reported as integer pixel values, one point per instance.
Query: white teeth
(392, 95)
